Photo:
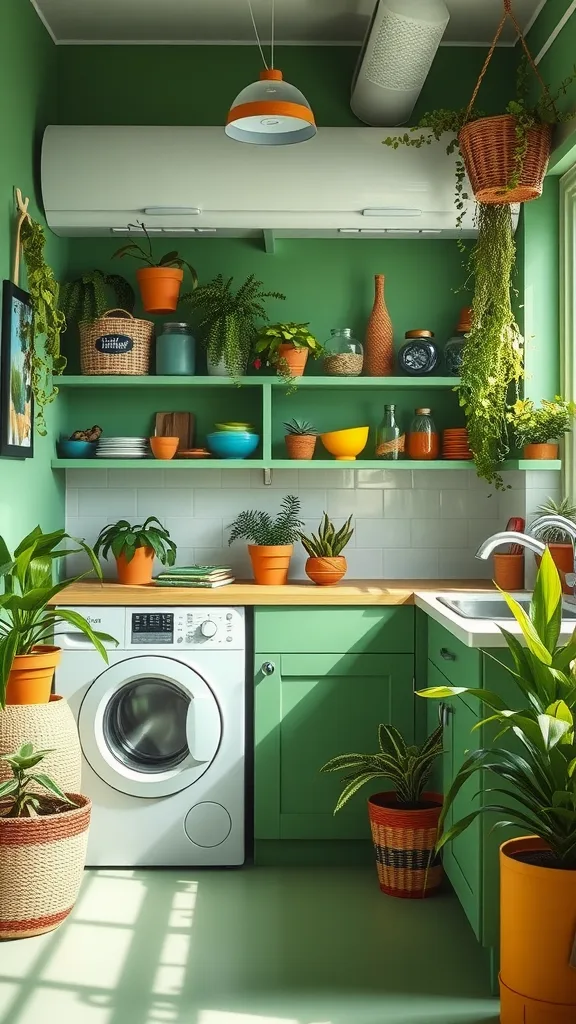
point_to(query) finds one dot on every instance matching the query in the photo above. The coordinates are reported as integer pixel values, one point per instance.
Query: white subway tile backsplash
(480, 529)
(109, 503)
(163, 502)
(365, 563)
(382, 478)
(356, 503)
(439, 533)
(138, 478)
(460, 564)
(438, 479)
(192, 478)
(286, 480)
(233, 478)
(94, 478)
(315, 478)
(411, 563)
(382, 533)
(411, 504)
(71, 502)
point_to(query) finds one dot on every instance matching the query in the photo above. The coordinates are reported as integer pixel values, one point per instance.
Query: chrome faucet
(509, 537)
(566, 527)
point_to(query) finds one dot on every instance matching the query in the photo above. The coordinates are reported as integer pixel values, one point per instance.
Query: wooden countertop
(349, 592)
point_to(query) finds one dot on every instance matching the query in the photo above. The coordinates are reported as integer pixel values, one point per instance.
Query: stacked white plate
(123, 448)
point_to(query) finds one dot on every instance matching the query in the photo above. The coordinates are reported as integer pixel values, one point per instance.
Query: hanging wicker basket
(116, 345)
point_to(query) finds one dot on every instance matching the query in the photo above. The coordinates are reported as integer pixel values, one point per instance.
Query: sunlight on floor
(223, 1017)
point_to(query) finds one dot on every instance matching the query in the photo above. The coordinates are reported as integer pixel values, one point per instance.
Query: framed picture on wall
(16, 403)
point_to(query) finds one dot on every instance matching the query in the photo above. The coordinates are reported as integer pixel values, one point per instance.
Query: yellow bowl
(345, 445)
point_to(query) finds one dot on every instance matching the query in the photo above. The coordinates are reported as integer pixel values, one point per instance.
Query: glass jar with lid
(419, 354)
(176, 351)
(343, 354)
(423, 440)
(454, 347)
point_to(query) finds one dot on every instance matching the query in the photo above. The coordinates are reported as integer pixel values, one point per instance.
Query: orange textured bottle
(379, 346)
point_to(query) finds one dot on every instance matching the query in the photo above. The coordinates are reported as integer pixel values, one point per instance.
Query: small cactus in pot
(300, 439)
(326, 564)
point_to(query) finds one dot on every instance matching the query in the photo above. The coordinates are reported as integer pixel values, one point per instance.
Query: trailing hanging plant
(47, 320)
(89, 296)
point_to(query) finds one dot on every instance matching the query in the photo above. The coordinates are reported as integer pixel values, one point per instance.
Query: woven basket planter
(404, 844)
(488, 147)
(49, 727)
(300, 446)
(115, 345)
(41, 865)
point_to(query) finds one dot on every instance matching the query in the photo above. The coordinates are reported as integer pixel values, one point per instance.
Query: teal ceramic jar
(176, 351)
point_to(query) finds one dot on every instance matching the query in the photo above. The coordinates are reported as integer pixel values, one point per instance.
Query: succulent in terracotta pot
(300, 439)
(326, 564)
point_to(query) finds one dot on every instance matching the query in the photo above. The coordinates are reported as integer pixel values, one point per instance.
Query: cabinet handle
(447, 655)
(444, 712)
(268, 668)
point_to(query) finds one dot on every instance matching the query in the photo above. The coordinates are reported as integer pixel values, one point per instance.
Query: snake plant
(328, 542)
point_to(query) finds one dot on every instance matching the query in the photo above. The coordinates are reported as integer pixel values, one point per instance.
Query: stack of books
(209, 576)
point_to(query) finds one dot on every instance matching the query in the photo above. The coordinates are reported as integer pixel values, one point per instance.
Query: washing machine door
(150, 726)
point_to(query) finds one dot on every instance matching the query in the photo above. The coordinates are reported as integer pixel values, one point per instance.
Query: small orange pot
(159, 288)
(563, 558)
(300, 446)
(541, 451)
(164, 447)
(404, 842)
(509, 571)
(326, 572)
(30, 679)
(537, 932)
(270, 563)
(138, 571)
(295, 357)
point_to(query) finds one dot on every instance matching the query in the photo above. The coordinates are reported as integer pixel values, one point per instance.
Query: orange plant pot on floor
(30, 680)
(138, 571)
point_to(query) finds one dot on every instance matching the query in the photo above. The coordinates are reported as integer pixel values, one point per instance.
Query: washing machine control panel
(185, 628)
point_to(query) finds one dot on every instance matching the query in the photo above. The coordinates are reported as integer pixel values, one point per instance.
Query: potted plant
(28, 623)
(160, 280)
(286, 347)
(559, 543)
(404, 822)
(537, 431)
(228, 319)
(300, 439)
(272, 540)
(135, 547)
(534, 789)
(43, 832)
(326, 564)
(94, 293)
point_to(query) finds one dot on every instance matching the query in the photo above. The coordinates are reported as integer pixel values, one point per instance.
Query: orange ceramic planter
(159, 288)
(270, 563)
(541, 451)
(138, 571)
(30, 679)
(509, 571)
(563, 558)
(326, 572)
(295, 357)
(537, 933)
(164, 447)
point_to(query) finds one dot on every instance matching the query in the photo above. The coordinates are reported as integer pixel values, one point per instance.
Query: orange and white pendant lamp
(270, 112)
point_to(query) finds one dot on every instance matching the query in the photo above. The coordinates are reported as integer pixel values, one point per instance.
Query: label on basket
(114, 344)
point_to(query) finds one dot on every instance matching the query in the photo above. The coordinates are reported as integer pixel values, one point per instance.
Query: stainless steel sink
(489, 606)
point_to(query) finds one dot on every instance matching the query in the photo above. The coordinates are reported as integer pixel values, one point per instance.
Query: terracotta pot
(159, 288)
(270, 563)
(537, 932)
(379, 342)
(41, 868)
(30, 679)
(295, 357)
(300, 446)
(509, 571)
(138, 571)
(563, 558)
(164, 447)
(541, 451)
(50, 726)
(326, 571)
(404, 843)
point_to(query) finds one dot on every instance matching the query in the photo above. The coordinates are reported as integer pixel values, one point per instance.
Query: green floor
(250, 946)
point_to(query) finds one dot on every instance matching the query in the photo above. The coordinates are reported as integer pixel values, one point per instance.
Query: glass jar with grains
(343, 355)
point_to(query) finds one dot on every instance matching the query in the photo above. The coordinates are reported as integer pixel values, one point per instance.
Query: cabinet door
(309, 708)
(463, 856)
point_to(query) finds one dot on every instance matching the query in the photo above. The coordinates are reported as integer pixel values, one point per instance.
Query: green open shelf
(309, 381)
(174, 464)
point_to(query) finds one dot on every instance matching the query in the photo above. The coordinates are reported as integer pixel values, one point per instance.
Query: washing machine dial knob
(208, 628)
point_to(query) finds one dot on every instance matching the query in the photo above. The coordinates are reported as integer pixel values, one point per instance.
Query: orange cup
(509, 571)
(164, 447)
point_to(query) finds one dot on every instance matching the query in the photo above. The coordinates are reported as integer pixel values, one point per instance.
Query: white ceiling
(228, 21)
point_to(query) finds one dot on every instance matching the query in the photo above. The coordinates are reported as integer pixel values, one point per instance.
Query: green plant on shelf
(122, 539)
(538, 426)
(328, 542)
(262, 529)
(407, 766)
(300, 428)
(16, 799)
(554, 534)
(87, 297)
(146, 255)
(271, 338)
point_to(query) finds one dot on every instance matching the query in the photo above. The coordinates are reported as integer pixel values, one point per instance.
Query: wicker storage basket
(404, 844)
(41, 865)
(488, 147)
(117, 345)
(49, 727)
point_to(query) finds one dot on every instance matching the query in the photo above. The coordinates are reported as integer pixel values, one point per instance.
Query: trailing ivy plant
(47, 323)
(89, 296)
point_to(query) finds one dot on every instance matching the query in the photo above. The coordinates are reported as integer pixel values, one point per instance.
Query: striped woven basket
(41, 865)
(48, 727)
(404, 843)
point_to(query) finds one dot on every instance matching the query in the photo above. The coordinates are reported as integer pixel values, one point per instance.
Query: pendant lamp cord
(256, 34)
(272, 38)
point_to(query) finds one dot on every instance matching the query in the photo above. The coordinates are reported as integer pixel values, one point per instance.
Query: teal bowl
(76, 449)
(232, 444)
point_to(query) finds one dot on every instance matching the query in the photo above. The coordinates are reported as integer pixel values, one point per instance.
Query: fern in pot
(135, 547)
(326, 565)
(272, 540)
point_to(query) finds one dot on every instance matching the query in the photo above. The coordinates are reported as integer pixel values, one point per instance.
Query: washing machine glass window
(145, 725)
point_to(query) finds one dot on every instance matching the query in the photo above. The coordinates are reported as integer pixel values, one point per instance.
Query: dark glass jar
(418, 355)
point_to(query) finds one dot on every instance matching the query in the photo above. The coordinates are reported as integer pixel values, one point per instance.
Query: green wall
(29, 491)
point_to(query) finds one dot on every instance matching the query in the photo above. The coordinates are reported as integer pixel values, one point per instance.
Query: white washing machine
(162, 729)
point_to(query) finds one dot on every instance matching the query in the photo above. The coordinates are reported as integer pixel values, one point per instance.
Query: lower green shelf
(357, 464)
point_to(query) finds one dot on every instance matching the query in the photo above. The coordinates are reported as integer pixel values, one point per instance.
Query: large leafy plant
(228, 319)
(122, 539)
(534, 789)
(407, 766)
(89, 296)
(16, 799)
(26, 619)
(261, 529)
(328, 542)
(145, 254)
(537, 426)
